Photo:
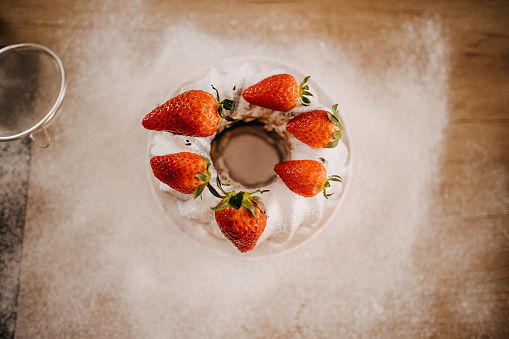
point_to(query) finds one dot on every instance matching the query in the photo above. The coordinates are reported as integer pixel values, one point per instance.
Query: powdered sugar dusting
(120, 270)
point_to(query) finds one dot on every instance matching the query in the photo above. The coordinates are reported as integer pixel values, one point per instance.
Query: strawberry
(305, 177)
(241, 217)
(185, 172)
(317, 128)
(279, 92)
(194, 113)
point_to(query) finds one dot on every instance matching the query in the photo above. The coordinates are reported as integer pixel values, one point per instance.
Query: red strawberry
(317, 128)
(185, 172)
(241, 217)
(194, 113)
(279, 92)
(305, 177)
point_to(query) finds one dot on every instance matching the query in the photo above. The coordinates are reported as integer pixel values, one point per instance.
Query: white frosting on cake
(286, 211)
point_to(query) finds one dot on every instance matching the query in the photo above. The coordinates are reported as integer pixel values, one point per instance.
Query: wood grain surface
(472, 200)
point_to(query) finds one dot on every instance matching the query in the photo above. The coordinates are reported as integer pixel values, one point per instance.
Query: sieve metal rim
(52, 112)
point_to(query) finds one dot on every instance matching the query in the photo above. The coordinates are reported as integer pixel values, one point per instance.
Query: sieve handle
(36, 136)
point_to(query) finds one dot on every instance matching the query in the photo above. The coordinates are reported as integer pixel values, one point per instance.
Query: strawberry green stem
(334, 118)
(304, 92)
(225, 104)
(326, 184)
(238, 200)
(204, 177)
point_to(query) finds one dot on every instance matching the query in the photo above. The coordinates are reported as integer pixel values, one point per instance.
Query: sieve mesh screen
(30, 87)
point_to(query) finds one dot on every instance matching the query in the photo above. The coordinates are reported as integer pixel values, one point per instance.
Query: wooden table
(472, 200)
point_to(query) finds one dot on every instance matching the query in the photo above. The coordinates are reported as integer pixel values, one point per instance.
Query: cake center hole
(247, 154)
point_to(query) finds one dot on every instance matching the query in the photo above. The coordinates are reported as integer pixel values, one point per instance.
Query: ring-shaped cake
(291, 218)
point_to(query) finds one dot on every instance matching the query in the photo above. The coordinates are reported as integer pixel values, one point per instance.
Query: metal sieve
(32, 88)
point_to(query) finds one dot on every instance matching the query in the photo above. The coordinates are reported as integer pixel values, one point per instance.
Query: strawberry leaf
(228, 104)
(236, 200)
(225, 104)
(202, 177)
(207, 161)
(224, 116)
(336, 116)
(333, 118)
(249, 206)
(214, 192)
(333, 144)
(336, 178)
(326, 184)
(304, 92)
(305, 80)
(221, 206)
(327, 195)
(198, 191)
(259, 202)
